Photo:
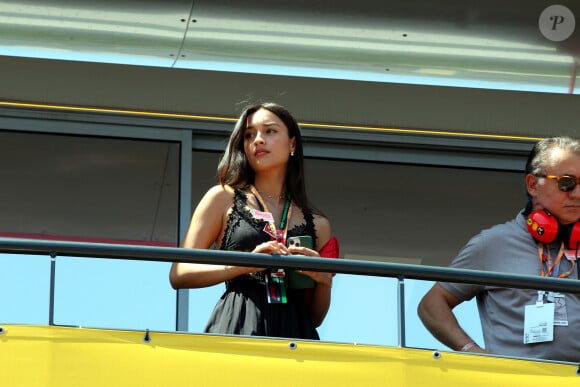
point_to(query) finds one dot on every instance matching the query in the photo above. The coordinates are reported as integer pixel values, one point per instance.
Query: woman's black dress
(243, 309)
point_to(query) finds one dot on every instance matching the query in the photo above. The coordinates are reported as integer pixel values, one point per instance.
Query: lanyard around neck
(552, 264)
(282, 231)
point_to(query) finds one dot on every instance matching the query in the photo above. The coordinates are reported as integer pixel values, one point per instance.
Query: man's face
(565, 206)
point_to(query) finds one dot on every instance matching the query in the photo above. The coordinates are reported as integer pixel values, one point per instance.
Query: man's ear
(531, 184)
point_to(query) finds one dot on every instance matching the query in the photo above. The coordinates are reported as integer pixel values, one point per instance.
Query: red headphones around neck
(545, 228)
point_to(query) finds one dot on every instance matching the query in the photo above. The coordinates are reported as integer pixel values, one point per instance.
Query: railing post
(182, 318)
(51, 290)
(401, 309)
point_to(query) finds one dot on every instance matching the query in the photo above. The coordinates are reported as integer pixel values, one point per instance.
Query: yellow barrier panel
(63, 356)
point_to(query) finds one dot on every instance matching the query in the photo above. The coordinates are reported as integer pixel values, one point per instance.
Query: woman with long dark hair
(259, 204)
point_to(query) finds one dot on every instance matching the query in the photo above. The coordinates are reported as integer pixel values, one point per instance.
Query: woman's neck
(271, 188)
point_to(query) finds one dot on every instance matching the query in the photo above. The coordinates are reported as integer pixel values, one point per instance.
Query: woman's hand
(319, 277)
(271, 247)
(301, 250)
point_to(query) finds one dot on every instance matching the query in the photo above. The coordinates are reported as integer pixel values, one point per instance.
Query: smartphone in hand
(297, 280)
(300, 241)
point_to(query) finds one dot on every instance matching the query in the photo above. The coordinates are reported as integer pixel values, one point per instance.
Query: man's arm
(436, 312)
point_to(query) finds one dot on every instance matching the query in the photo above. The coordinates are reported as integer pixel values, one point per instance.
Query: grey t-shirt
(509, 248)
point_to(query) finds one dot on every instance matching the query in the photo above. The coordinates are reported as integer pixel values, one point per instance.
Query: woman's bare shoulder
(220, 193)
(217, 198)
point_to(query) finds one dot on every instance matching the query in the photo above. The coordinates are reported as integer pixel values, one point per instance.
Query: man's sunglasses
(565, 183)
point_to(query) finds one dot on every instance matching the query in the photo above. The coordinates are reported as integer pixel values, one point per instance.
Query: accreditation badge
(276, 287)
(560, 314)
(539, 323)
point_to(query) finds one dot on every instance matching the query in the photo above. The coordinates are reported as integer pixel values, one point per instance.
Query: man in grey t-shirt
(541, 240)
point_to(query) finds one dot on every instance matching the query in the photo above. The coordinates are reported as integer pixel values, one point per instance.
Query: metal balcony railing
(343, 266)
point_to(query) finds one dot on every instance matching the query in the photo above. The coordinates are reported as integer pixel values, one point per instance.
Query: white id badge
(539, 323)
(560, 314)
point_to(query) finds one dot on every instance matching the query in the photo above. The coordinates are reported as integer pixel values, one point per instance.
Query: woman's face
(266, 141)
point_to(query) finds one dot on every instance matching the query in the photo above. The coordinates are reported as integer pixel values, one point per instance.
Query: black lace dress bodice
(244, 232)
(243, 309)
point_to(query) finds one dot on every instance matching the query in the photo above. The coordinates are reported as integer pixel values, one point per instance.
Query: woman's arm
(206, 226)
(320, 302)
